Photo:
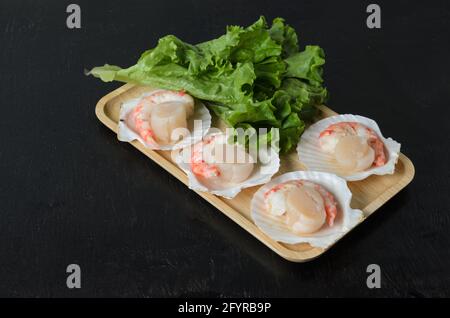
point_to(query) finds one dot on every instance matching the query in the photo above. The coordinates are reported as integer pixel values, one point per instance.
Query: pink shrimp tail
(198, 165)
(380, 155)
(330, 204)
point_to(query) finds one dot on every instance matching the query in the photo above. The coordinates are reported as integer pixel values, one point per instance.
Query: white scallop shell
(311, 155)
(266, 166)
(197, 132)
(275, 227)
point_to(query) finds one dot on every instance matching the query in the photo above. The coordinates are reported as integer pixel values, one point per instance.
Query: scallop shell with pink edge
(275, 226)
(196, 130)
(265, 166)
(313, 158)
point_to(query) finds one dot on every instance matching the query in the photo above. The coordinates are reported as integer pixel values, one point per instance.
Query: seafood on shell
(221, 167)
(163, 120)
(305, 207)
(350, 146)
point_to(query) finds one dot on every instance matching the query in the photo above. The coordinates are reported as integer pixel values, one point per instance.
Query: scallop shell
(311, 155)
(276, 229)
(263, 171)
(197, 132)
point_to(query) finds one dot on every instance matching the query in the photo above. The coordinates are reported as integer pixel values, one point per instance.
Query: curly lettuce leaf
(251, 77)
(307, 65)
(284, 35)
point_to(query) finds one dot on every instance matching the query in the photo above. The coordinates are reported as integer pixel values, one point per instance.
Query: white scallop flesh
(276, 199)
(163, 96)
(221, 163)
(165, 118)
(353, 153)
(301, 205)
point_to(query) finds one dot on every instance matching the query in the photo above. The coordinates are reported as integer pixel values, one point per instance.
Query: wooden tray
(368, 194)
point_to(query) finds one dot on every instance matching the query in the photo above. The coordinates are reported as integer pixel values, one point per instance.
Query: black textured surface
(71, 193)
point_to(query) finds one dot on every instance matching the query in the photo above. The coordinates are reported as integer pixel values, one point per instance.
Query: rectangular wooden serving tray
(368, 194)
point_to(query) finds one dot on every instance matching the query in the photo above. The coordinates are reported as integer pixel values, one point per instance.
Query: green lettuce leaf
(251, 77)
(284, 35)
(307, 65)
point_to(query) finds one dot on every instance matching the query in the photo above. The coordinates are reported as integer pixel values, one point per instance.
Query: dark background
(71, 193)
